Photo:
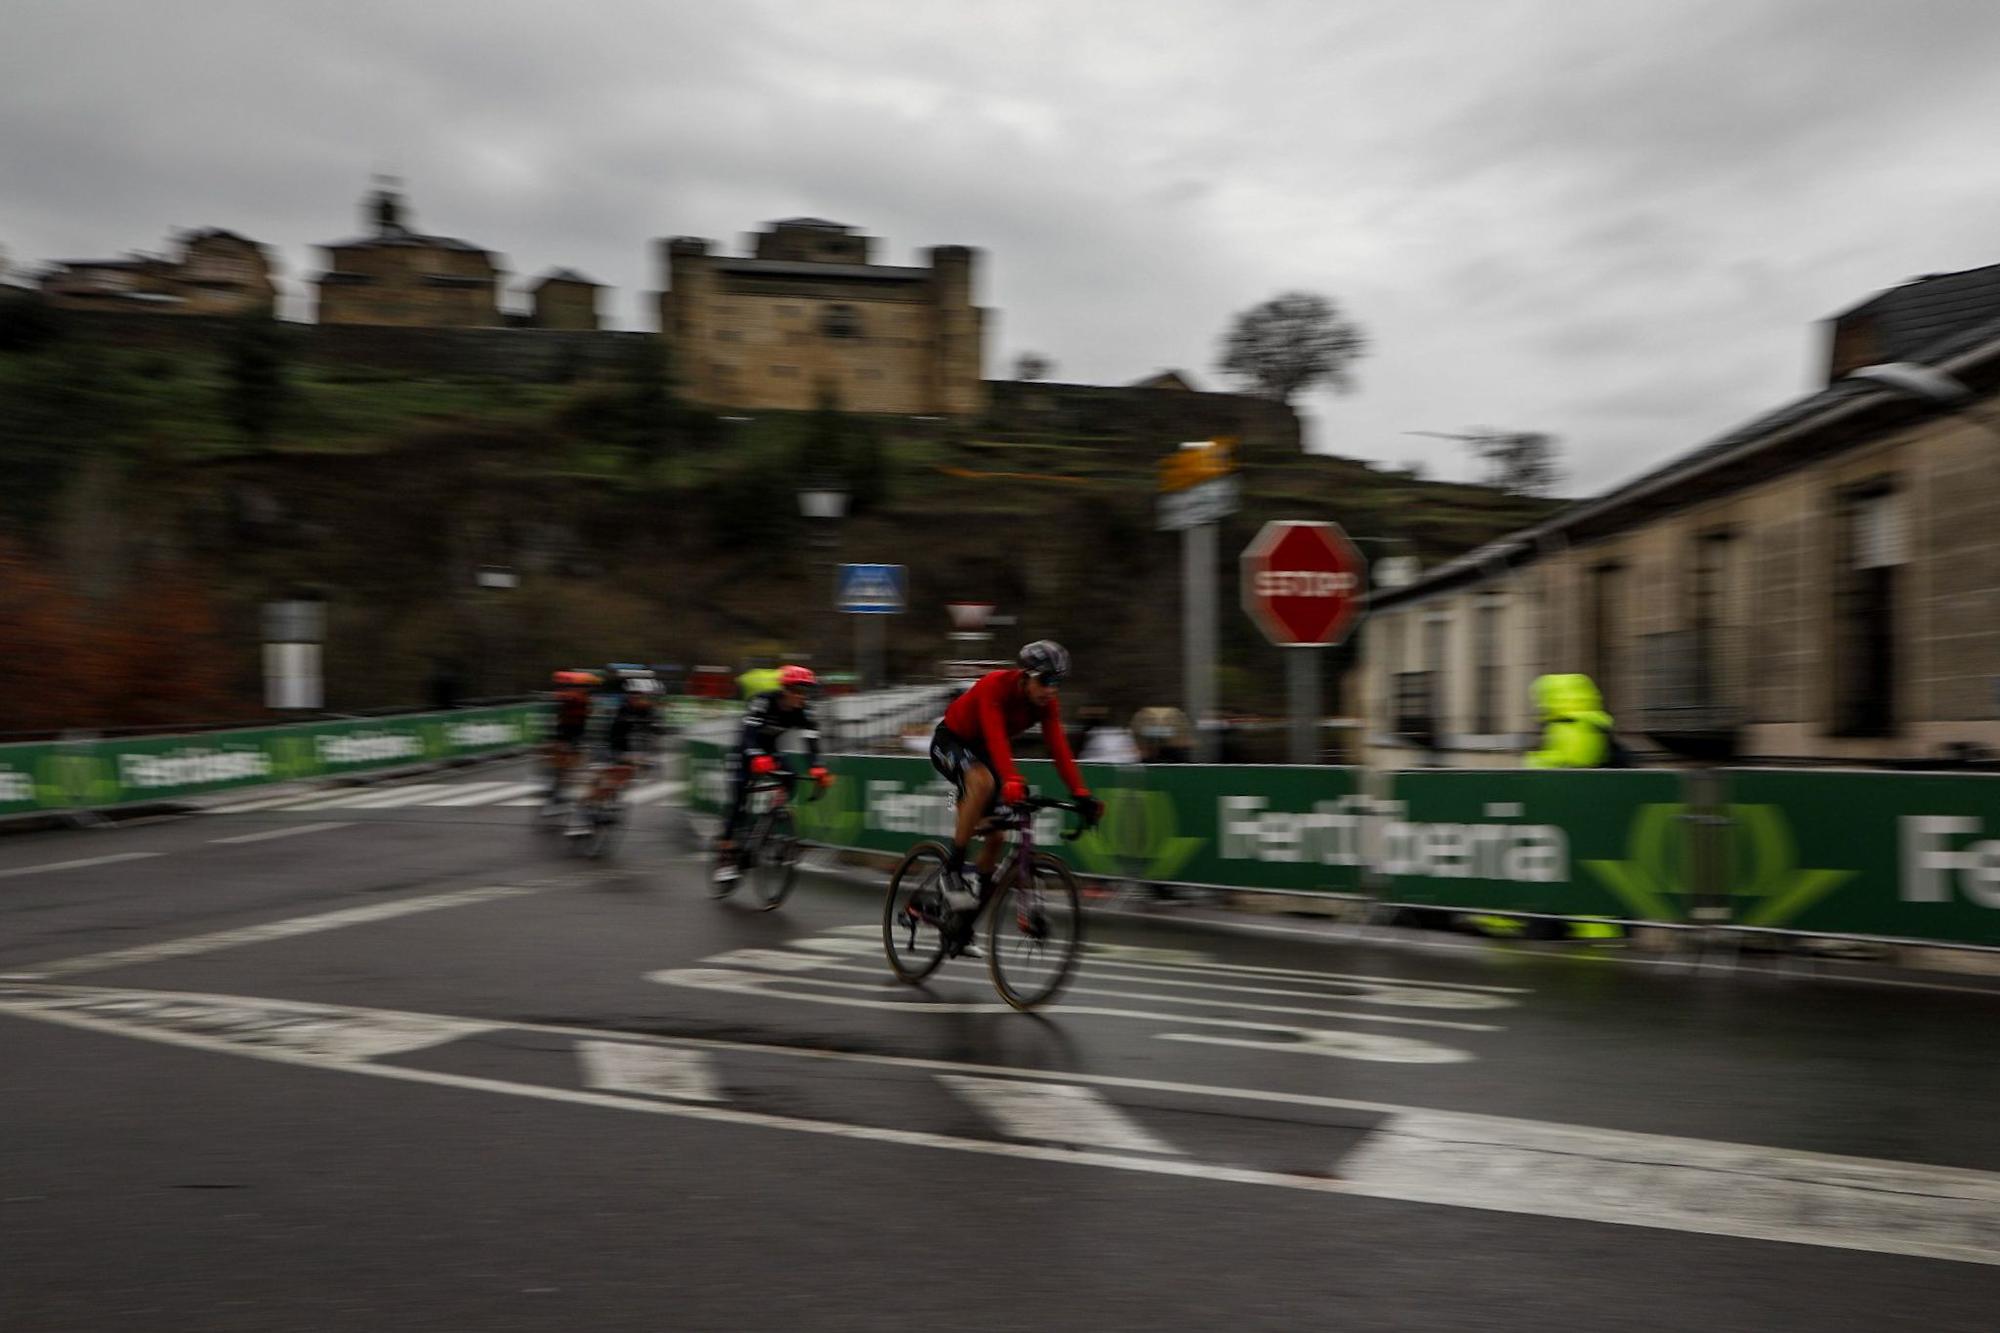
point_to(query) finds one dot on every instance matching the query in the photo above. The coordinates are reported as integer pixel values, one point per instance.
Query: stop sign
(1304, 583)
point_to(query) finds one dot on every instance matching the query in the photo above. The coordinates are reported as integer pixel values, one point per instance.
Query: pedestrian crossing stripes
(1215, 1135)
(437, 796)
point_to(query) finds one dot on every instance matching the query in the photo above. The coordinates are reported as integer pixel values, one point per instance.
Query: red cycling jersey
(995, 710)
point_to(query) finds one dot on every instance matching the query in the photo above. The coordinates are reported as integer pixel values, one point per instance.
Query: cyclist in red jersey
(972, 749)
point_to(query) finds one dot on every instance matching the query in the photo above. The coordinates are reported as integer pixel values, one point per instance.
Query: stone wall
(534, 355)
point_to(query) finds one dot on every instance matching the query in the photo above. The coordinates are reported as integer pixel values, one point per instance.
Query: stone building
(209, 272)
(1820, 585)
(398, 276)
(810, 314)
(563, 299)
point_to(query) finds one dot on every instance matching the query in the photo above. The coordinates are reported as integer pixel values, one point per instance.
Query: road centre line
(759, 958)
(272, 930)
(1420, 1156)
(286, 831)
(112, 859)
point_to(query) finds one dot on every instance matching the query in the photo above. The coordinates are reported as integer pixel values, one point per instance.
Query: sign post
(868, 593)
(1306, 587)
(1198, 486)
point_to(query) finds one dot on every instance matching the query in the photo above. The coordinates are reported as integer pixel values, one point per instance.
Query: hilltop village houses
(1819, 586)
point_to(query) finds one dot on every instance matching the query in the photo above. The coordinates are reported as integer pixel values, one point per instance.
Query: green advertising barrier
(1909, 856)
(1234, 826)
(1560, 843)
(75, 775)
(1898, 855)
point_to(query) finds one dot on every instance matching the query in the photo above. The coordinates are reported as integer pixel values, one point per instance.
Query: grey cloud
(1614, 223)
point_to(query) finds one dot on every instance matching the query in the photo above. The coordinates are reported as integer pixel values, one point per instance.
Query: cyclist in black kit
(770, 715)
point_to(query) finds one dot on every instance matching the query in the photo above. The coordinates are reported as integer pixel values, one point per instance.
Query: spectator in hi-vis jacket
(1576, 731)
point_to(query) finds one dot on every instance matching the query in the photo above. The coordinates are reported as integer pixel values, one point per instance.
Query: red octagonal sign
(1304, 583)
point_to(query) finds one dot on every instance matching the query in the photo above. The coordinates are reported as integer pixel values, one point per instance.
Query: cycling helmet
(1045, 660)
(797, 678)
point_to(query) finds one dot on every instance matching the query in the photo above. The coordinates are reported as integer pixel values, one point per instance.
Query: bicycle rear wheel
(1035, 933)
(913, 913)
(777, 857)
(606, 818)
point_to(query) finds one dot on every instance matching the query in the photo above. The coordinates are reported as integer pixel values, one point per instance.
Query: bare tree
(1522, 461)
(1290, 343)
(1031, 366)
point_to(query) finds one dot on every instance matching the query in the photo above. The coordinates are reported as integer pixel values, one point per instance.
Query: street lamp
(824, 506)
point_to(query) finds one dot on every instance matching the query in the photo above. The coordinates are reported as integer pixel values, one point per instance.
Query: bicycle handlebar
(786, 779)
(1033, 803)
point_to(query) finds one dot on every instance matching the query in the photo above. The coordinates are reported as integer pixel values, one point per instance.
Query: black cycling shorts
(950, 753)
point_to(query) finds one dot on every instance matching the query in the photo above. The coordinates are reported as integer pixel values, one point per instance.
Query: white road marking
(263, 803)
(649, 1071)
(1410, 997)
(1134, 956)
(488, 793)
(1056, 1113)
(303, 1029)
(773, 960)
(380, 798)
(272, 930)
(1264, 1036)
(112, 859)
(650, 792)
(1889, 1207)
(288, 831)
(1650, 1180)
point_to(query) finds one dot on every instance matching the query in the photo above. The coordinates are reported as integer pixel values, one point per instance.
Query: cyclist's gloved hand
(764, 763)
(1093, 809)
(1013, 791)
(819, 774)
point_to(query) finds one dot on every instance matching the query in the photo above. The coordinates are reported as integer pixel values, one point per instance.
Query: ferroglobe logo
(369, 747)
(473, 735)
(193, 766)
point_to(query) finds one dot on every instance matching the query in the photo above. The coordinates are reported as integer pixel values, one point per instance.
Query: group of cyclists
(611, 718)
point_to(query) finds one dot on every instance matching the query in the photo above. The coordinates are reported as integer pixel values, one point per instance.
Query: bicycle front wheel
(1035, 933)
(777, 859)
(913, 913)
(605, 821)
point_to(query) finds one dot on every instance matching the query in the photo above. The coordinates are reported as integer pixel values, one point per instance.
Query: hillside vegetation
(640, 527)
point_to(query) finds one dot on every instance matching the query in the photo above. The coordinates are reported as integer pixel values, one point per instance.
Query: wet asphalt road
(467, 1081)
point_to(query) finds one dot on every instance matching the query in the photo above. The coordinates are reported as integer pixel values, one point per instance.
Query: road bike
(1034, 926)
(596, 820)
(767, 855)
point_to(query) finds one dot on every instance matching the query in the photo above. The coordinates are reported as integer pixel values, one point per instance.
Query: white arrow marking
(1057, 1113)
(651, 1071)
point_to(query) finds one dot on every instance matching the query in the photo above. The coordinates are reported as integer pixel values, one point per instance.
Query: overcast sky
(1616, 222)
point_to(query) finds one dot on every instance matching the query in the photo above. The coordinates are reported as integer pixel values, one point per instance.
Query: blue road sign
(876, 590)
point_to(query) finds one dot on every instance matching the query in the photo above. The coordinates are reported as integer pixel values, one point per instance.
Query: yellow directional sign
(1193, 464)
